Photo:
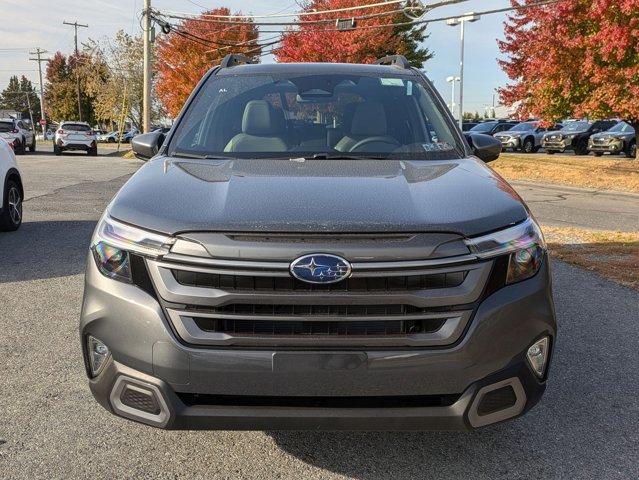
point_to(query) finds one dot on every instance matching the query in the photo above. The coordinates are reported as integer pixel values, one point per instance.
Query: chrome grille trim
(469, 291)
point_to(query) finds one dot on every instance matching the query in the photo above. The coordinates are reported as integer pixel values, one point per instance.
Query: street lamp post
(452, 80)
(461, 21)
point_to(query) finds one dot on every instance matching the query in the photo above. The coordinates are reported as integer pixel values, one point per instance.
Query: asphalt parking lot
(50, 427)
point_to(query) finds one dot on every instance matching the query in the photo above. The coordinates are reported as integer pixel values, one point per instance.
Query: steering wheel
(380, 139)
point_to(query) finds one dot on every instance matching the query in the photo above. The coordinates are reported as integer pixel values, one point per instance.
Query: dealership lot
(51, 427)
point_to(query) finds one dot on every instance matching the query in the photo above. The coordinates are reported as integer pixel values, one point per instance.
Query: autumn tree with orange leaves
(192, 48)
(574, 58)
(377, 34)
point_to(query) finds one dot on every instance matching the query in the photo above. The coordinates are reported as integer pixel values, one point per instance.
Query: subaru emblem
(320, 268)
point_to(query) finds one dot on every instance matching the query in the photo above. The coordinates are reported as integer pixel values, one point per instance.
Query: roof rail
(398, 61)
(233, 59)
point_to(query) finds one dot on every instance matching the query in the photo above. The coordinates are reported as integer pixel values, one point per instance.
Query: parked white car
(11, 191)
(75, 136)
(110, 137)
(23, 134)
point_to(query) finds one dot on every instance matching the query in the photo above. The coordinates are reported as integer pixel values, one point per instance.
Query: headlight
(524, 244)
(114, 241)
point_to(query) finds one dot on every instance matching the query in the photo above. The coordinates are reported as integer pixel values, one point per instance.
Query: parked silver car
(22, 133)
(75, 136)
(619, 139)
(525, 136)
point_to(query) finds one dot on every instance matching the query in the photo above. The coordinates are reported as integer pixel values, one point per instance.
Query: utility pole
(39, 52)
(75, 26)
(146, 89)
(461, 21)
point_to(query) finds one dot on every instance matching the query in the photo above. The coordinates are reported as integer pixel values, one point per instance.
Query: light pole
(452, 80)
(461, 21)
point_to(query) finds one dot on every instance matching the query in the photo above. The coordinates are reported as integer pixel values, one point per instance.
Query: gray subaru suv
(317, 246)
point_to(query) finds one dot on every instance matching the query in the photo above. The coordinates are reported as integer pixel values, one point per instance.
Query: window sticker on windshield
(437, 147)
(392, 82)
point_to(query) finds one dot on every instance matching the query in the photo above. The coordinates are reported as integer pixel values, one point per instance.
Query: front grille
(319, 327)
(393, 298)
(284, 284)
(399, 401)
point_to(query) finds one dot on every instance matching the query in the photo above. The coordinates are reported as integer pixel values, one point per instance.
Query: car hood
(613, 135)
(508, 133)
(460, 196)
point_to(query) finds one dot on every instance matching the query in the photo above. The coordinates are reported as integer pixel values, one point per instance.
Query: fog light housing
(98, 354)
(537, 356)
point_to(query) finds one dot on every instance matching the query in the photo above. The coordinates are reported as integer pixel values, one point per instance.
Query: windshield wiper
(343, 156)
(201, 156)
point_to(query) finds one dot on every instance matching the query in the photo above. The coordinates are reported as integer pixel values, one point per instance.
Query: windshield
(322, 116)
(76, 127)
(484, 127)
(6, 126)
(622, 127)
(523, 127)
(576, 126)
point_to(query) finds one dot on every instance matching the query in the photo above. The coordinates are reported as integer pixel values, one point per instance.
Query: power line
(284, 15)
(425, 21)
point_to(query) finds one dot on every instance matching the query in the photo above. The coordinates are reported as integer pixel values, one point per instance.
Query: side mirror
(484, 147)
(146, 146)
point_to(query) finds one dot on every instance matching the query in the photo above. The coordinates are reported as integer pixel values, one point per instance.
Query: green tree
(61, 89)
(17, 96)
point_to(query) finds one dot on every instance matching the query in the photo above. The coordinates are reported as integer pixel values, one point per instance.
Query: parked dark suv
(574, 136)
(314, 246)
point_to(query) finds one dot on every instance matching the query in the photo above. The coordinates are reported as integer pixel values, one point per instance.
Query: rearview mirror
(146, 146)
(484, 147)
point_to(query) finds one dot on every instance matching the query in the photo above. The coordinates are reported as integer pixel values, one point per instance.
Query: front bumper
(559, 146)
(510, 142)
(614, 146)
(65, 144)
(339, 389)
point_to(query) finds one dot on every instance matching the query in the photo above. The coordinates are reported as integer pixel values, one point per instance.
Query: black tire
(581, 149)
(19, 148)
(528, 146)
(631, 151)
(11, 217)
(93, 151)
(32, 147)
(56, 150)
(551, 152)
(111, 140)
(598, 154)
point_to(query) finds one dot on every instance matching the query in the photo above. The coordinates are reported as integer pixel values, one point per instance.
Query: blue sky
(27, 25)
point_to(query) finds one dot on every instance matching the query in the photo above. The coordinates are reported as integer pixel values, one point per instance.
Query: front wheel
(32, 147)
(598, 154)
(551, 152)
(631, 152)
(581, 149)
(529, 146)
(11, 217)
(57, 150)
(93, 151)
